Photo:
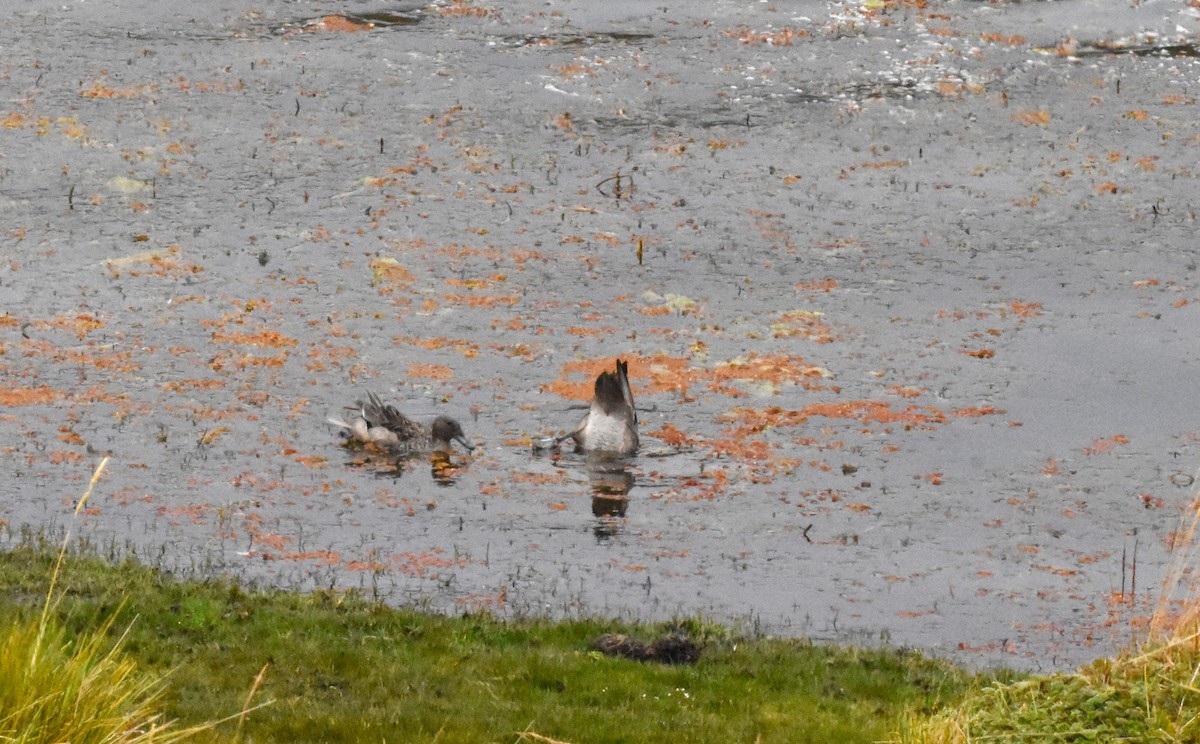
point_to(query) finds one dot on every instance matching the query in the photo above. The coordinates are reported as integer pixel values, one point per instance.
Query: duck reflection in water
(611, 482)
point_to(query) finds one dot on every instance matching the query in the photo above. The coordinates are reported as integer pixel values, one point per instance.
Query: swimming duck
(383, 425)
(611, 423)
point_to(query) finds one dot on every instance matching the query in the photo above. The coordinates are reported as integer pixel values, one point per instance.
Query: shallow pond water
(907, 292)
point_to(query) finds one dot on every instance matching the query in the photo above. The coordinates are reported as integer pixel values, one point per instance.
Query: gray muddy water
(907, 291)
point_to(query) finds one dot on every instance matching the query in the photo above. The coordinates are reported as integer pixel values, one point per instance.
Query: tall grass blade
(58, 563)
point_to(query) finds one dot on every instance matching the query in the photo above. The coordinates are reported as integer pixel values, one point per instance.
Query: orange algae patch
(104, 91)
(419, 564)
(120, 360)
(460, 10)
(176, 386)
(1066, 572)
(984, 353)
(69, 436)
(666, 374)
(28, 396)
(270, 539)
(431, 371)
(976, 411)
(758, 419)
(594, 332)
(1104, 446)
(338, 23)
(1025, 309)
(273, 339)
(741, 448)
(364, 566)
(669, 374)
(466, 348)
(868, 411)
(775, 368)
(387, 274)
(1015, 40)
(711, 483)
(328, 557)
(804, 324)
(82, 324)
(481, 300)
(1031, 118)
(195, 513)
(672, 435)
(484, 283)
(824, 285)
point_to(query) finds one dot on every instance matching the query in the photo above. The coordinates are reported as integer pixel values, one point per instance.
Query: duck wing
(378, 413)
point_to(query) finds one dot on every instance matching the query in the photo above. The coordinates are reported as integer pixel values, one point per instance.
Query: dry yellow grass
(84, 690)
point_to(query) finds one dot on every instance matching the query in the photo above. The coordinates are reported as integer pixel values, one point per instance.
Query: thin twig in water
(617, 192)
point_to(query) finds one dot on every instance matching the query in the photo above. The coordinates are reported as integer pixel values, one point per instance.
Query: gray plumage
(383, 425)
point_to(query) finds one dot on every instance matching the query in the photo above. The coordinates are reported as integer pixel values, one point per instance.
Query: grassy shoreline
(341, 668)
(159, 659)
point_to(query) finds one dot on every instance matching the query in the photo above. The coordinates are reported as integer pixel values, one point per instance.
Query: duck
(384, 426)
(611, 424)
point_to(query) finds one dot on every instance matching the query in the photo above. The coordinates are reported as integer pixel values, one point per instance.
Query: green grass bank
(123, 653)
(339, 668)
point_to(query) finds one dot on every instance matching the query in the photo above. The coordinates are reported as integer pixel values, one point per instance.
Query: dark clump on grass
(673, 648)
(342, 668)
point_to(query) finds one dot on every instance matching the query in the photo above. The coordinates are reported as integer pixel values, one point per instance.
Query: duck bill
(463, 441)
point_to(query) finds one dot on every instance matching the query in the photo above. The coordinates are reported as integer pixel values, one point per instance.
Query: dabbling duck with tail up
(611, 424)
